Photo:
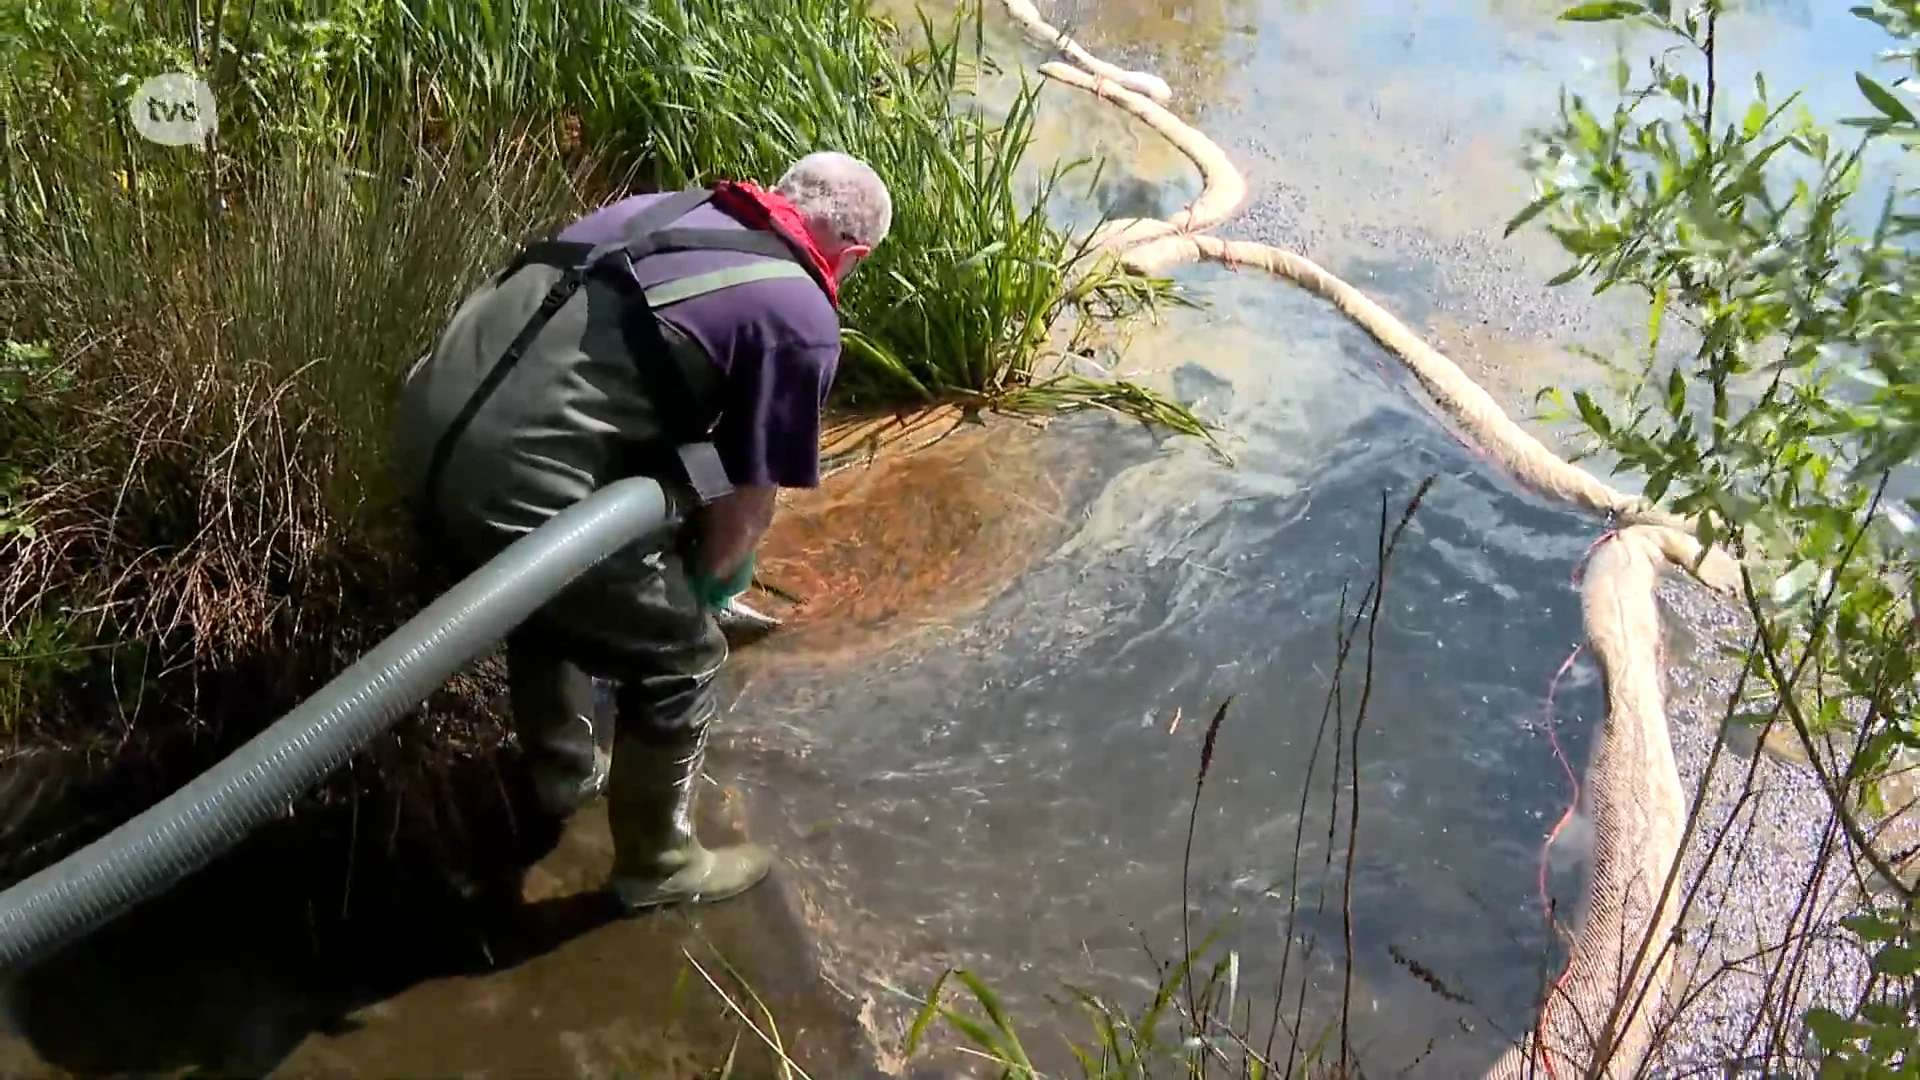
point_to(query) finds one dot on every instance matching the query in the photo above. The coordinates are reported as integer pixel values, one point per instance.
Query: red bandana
(758, 208)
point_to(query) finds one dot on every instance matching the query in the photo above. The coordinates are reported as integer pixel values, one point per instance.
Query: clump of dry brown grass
(202, 525)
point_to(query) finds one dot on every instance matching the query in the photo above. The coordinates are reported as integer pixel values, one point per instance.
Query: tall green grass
(963, 300)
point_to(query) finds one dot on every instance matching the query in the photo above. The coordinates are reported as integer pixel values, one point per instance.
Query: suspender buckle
(560, 292)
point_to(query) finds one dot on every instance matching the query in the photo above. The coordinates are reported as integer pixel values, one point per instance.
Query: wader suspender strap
(693, 399)
(687, 401)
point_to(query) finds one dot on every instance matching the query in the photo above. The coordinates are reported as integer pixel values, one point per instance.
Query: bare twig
(1386, 546)
(1343, 643)
(1193, 818)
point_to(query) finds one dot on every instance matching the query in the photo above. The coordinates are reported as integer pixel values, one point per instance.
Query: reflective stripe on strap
(672, 292)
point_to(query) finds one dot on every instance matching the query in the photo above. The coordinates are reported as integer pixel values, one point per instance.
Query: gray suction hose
(195, 825)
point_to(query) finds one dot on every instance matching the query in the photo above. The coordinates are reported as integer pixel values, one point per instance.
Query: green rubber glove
(715, 593)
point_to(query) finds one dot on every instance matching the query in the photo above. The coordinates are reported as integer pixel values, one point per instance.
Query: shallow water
(1009, 796)
(986, 769)
(1383, 138)
(1012, 794)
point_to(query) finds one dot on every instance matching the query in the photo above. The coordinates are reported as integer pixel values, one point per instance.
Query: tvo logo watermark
(174, 109)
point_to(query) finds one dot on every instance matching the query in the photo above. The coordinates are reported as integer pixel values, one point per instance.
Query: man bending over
(690, 337)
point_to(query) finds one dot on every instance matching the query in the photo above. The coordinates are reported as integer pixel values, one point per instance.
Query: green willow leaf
(1533, 210)
(1602, 11)
(1884, 99)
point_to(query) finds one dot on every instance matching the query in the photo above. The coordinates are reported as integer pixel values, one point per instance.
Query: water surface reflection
(1011, 798)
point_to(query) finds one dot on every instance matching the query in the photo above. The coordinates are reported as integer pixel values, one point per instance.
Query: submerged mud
(921, 535)
(598, 995)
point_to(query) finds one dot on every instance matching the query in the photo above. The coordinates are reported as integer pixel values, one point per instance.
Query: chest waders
(664, 701)
(686, 388)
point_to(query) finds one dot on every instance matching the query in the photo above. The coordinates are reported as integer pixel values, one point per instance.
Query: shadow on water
(286, 958)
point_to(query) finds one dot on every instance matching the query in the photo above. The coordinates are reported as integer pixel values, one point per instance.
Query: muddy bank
(313, 950)
(581, 992)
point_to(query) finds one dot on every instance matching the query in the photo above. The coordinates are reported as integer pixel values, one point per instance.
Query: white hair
(839, 196)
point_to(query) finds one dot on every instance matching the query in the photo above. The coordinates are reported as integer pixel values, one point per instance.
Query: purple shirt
(777, 341)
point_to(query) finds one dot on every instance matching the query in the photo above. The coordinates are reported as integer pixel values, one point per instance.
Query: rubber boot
(553, 710)
(657, 858)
